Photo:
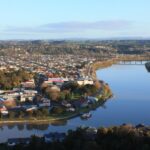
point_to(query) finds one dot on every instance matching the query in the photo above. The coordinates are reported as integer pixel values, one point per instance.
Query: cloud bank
(71, 27)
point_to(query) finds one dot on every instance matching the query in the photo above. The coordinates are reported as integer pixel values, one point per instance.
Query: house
(71, 109)
(44, 102)
(91, 133)
(10, 94)
(2, 91)
(47, 82)
(15, 141)
(2, 107)
(9, 102)
(3, 110)
(54, 136)
(66, 104)
(30, 92)
(2, 100)
(25, 97)
(30, 107)
(92, 99)
(91, 130)
(18, 89)
(3, 67)
(28, 84)
(80, 103)
(22, 98)
(56, 80)
(65, 79)
(83, 81)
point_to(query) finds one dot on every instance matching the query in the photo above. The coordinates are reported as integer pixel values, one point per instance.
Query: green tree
(12, 115)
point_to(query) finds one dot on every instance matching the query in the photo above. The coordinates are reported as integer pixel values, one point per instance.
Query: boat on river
(86, 116)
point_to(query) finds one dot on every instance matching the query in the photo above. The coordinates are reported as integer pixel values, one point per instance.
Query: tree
(21, 114)
(62, 95)
(72, 86)
(97, 84)
(57, 110)
(12, 115)
(88, 89)
(45, 112)
(30, 114)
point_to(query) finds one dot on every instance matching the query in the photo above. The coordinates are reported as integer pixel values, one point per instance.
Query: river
(130, 85)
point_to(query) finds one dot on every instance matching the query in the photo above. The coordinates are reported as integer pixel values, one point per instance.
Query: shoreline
(100, 65)
(35, 120)
(53, 119)
(94, 67)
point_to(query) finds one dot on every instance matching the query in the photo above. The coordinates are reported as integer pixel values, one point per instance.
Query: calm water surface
(131, 104)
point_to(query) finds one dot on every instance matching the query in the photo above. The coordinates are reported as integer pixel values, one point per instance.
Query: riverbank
(54, 118)
(51, 119)
(109, 62)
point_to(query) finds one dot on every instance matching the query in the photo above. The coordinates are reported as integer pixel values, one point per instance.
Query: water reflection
(37, 126)
(20, 127)
(1, 127)
(10, 126)
(29, 127)
(59, 123)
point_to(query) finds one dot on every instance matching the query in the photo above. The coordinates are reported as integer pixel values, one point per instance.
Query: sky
(67, 19)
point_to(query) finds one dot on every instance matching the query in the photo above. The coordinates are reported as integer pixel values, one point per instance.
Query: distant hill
(83, 47)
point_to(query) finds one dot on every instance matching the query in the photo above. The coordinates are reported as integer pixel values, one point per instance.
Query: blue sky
(59, 19)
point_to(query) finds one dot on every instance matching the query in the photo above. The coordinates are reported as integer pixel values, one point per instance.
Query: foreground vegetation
(124, 137)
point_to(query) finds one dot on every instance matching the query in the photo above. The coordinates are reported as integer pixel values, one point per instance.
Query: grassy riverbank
(109, 62)
(99, 65)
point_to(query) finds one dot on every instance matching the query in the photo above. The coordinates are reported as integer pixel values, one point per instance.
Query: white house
(92, 99)
(44, 103)
(85, 81)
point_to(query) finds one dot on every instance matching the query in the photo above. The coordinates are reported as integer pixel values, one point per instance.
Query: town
(50, 88)
(50, 80)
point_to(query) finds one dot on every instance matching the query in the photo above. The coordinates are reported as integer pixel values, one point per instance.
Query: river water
(130, 104)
